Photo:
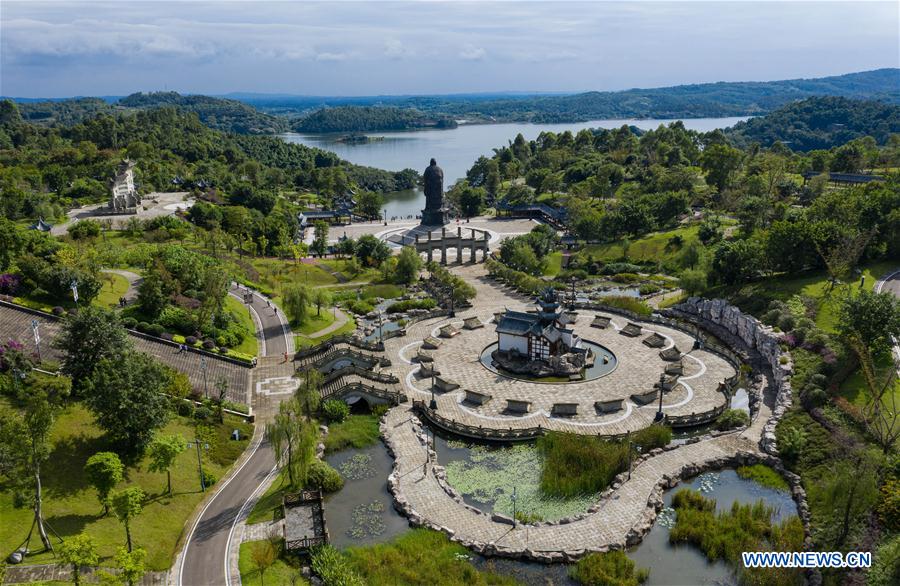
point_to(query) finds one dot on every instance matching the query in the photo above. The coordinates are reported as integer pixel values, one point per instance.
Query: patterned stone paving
(638, 368)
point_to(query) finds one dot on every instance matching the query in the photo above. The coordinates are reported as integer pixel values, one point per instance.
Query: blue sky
(55, 49)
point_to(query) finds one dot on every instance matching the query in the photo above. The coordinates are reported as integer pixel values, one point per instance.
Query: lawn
(654, 247)
(71, 506)
(281, 572)
(314, 322)
(302, 341)
(275, 274)
(854, 388)
(554, 264)
(264, 509)
(114, 287)
(250, 344)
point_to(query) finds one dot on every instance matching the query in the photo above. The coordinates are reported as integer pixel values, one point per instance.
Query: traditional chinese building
(540, 335)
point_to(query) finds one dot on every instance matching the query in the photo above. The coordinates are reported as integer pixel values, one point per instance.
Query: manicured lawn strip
(275, 273)
(554, 264)
(420, 556)
(314, 322)
(264, 509)
(357, 431)
(114, 287)
(281, 573)
(250, 345)
(301, 341)
(71, 506)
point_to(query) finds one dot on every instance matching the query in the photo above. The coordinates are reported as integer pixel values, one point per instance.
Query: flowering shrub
(9, 283)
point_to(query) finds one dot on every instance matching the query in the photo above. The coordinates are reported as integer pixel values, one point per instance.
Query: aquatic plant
(367, 520)
(611, 568)
(359, 466)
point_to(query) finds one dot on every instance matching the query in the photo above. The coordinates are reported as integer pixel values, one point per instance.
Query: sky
(60, 49)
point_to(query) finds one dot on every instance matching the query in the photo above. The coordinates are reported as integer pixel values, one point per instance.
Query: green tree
(87, 338)
(321, 298)
(263, 554)
(690, 256)
(292, 440)
(409, 263)
(368, 204)
(127, 400)
(132, 564)
(163, 451)
(320, 239)
(693, 281)
(720, 162)
(308, 394)
(79, 552)
(872, 317)
(128, 504)
(104, 471)
(371, 251)
(296, 301)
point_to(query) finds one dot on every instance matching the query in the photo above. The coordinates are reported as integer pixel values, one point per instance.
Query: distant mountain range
(249, 113)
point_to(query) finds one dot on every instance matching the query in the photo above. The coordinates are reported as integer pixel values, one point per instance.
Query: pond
(486, 476)
(363, 511)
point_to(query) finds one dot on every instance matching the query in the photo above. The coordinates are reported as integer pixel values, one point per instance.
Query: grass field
(114, 287)
(250, 345)
(653, 247)
(71, 506)
(303, 341)
(280, 574)
(314, 322)
(357, 431)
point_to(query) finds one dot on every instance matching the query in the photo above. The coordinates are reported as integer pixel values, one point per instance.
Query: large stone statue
(434, 213)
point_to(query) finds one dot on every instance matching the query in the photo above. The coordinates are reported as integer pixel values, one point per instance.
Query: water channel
(456, 149)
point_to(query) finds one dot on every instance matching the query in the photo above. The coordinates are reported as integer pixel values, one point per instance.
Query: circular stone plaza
(443, 360)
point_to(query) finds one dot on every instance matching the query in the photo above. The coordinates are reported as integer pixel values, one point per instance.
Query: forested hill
(820, 123)
(217, 113)
(683, 101)
(369, 119)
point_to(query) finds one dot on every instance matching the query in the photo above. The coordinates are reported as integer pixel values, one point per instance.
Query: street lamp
(628, 436)
(514, 498)
(205, 381)
(659, 414)
(198, 444)
(385, 216)
(572, 304)
(433, 404)
(452, 290)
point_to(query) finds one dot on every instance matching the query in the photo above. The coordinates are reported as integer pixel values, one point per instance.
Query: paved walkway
(609, 525)
(891, 284)
(210, 553)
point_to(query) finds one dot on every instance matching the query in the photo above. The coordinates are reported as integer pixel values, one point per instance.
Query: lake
(456, 149)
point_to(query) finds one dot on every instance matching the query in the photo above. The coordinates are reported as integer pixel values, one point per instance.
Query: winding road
(891, 284)
(209, 553)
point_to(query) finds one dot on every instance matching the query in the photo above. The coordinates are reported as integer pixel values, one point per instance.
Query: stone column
(459, 247)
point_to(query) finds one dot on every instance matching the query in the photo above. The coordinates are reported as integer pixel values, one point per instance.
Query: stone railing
(738, 329)
(471, 431)
(340, 339)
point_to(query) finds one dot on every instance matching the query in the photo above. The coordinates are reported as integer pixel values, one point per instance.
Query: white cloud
(470, 52)
(394, 49)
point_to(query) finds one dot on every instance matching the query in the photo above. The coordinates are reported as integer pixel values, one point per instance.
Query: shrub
(333, 568)
(649, 289)
(771, 317)
(360, 307)
(889, 505)
(190, 340)
(129, 323)
(404, 306)
(185, 408)
(156, 330)
(791, 443)
(611, 568)
(9, 283)
(202, 413)
(167, 336)
(619, 267)
(732, 419)
(786, 322)
(143, 327)
(335, 411)
(208, 478)
(885, 569)
(632, 304)
(763, 475)
(379, 410)
(625, 278)
(57, 310)
(322, 476)
(654, 436)
(208, 344)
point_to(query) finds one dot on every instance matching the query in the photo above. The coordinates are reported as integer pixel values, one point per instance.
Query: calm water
(456, 149)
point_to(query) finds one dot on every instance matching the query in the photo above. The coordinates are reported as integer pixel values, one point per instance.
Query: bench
(646, 397)
(497, 316)
(631, 329)
(518, 407)
(675, 368)
(427, 369)
(655, 340)
(671, 354)
(601, 322)
(448, 331)
(424, 356)
(431, 343)
(476, 398)
(444, 385)
(564, 409)
(668, 383)
(472, 323)
(610, 406)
